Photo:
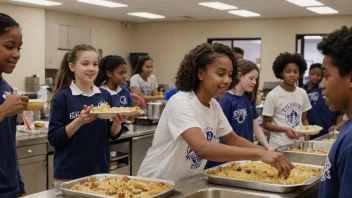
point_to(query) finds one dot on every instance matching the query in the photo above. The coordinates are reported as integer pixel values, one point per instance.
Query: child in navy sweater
(81, 141)
(337, 90)
(320, 114)
(239, 106)
(11, 184)
(112, 77)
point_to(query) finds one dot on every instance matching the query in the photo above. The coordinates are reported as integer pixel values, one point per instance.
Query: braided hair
(198, 58)
(108, 63)
(6, 23)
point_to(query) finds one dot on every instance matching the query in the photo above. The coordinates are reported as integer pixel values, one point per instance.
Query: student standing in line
(320, 114)
(286, 106)
(81, 141)
(143, 82)
(112, 77)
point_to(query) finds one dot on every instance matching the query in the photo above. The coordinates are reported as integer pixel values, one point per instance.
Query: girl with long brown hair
(239, 106)
(81, 141)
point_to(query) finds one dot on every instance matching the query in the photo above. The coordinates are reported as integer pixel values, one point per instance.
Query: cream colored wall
(105, 34)
(168, 42)
(32, 22)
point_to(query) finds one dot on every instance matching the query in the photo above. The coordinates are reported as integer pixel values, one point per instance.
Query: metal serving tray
(327, 136)
(278, 188)
(306, 158)
(66, 186)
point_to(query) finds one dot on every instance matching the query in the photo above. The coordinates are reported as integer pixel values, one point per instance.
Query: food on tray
(264, 173)
(309, 128)
(122, 187)
(105, 108)
(314, 151)
(39, 124)
(329, 140)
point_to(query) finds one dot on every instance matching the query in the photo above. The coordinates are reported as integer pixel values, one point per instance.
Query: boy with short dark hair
(337, 89)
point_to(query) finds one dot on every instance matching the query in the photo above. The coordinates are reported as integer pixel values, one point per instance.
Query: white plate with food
(106, 112)
(307, 130)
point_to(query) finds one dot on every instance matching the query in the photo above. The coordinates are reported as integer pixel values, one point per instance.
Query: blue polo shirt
(11, 184)
(87, 151)
(320, 114)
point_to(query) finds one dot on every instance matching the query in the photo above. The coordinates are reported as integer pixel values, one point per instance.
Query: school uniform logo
(240, 115)
(101, 103)
(5, 94)
(74, 115)
(123, 100)
(292, 113)
(313, 97)
(326, 171)
(191, 156)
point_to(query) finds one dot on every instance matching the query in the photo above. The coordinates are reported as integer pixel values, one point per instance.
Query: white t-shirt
(286, 109)
(170, 157)
(146, 87)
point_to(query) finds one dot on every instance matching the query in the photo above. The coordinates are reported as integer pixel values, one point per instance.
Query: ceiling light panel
(218, 5)
(39, 2)
(146, 15)
(104, 3)
(323, 10)
(244, 13)
(305, 3)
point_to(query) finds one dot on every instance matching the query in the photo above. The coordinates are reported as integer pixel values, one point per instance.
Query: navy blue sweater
(11, 184)
(87, 151)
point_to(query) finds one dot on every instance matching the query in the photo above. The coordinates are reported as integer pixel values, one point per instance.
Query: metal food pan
(306, 158)
(66, 186)
(278, 188)
(327, 136)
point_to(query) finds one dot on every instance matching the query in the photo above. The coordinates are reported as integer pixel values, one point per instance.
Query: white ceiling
(174, 10)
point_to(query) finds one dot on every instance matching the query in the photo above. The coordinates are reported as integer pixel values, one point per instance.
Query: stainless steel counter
(23, 139)
(198, 183)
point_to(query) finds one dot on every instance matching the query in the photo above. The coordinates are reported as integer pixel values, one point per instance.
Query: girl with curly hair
(239, 106)
(192, 120)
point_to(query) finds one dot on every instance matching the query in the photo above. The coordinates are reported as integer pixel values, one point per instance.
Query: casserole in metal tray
(279, 188)
(67, 191)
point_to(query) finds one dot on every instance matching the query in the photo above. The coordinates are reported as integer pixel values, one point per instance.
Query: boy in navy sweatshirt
(337, 90)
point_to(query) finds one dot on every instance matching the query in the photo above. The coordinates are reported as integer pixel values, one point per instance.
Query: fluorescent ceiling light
(146, 15)
(313, 37)
(323, 10)
(218, 5)
(305, 3)
(104, 3)
(244, 13)
(40, 2)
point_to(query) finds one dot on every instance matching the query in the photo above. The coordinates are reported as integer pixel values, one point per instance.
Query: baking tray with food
(330, 137)
(307, 152)
(260, 176)
(121, 186)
